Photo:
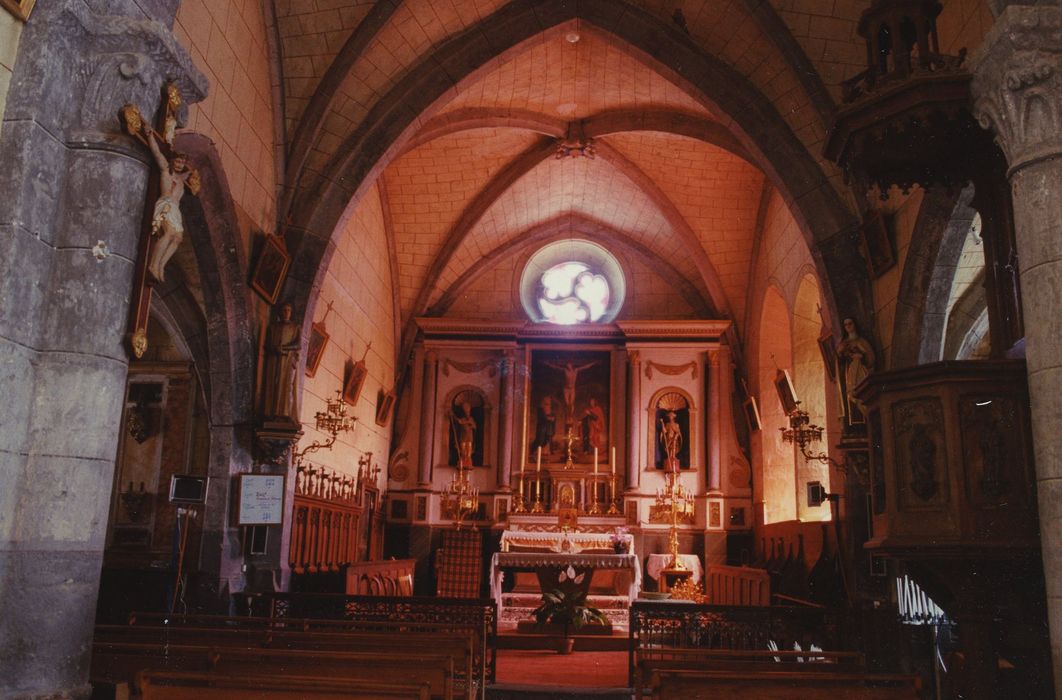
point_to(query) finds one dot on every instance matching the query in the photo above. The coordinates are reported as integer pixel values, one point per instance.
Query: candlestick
(538, 464)
(613, 460)
(595, 461)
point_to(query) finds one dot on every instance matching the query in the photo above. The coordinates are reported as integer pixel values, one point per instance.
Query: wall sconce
(333, 420)
(802, 433)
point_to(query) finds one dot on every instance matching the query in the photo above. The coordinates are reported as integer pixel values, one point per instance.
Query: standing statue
(281, 362)
(167, 225)
(593, 427)
(571, 373)
(671, 439)
(464, 427)
(545, 425)
(856, 357)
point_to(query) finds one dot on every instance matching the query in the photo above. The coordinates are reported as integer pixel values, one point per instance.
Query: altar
(535, 560)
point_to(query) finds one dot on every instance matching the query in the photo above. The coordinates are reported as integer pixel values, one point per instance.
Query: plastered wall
(358, 283)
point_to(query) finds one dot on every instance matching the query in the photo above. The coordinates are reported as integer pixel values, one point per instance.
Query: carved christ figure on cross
(571, 373)
(167, 224)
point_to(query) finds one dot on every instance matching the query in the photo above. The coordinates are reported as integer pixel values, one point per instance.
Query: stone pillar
(715, 433)
(505, 422)
(1017, 90)
(634, 423)
(427, 426)
(69, 180)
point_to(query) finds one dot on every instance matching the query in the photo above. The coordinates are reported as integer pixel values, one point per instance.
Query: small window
(571, 282)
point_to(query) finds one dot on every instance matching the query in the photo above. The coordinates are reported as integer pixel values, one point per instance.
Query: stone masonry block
(25, 265)
(88, 302)
(104, 200)
(49, 602)
(77, 404)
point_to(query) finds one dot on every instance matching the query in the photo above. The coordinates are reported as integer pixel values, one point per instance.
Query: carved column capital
(634, 356)
(1017, 84)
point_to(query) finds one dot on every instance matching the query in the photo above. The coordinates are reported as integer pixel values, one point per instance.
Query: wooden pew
(650, 660)
(118, 662)
(255, 635)
(238, 627)
(172, 685)
(784, 685)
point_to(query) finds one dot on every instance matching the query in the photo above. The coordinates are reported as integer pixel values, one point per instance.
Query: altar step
(617, 641)
(520, 606)
(541, 692)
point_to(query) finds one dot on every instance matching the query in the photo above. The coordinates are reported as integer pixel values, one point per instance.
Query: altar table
(559, 562)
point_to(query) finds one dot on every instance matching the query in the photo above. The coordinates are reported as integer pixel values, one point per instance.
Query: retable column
(1017, 89)
(634, 408)
(505, 420)
(715, 433)
(427, 427)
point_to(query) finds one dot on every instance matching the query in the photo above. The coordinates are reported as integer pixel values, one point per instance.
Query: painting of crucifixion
(569, 406)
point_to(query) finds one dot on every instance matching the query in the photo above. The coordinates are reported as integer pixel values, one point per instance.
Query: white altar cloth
(502, 560)
(659, 562)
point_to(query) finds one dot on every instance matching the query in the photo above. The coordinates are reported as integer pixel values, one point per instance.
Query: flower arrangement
(619, 541)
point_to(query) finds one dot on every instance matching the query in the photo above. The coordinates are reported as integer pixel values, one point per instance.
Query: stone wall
(10, 31)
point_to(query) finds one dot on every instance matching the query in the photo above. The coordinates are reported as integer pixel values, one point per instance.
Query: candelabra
(612, 509)
(333, 420)
(460, 497)
(802, 433)
(520, 507)
(595, 504)
(678, 501)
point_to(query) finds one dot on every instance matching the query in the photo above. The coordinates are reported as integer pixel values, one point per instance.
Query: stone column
(69, 180)
(427, 426)
(1017, 89)
(634, 409)
(715, 433)
(505, 422)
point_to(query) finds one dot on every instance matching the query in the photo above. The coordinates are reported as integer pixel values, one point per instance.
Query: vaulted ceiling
(455, 109)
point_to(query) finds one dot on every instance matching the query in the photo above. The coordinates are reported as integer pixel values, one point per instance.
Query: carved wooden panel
(920, 453)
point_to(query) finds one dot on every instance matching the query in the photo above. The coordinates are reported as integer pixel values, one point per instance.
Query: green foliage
(567, 606)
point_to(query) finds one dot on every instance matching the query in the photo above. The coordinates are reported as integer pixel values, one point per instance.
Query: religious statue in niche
(856, 358)
(570, 393)
(466, 419)
(281, 360)
(672, 426)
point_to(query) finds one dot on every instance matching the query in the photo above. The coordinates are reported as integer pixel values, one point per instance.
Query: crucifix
(162, 228)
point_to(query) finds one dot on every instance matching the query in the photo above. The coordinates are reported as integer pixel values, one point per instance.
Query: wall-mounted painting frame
(315, 348)
(270, 268)
(752, 413)
(783, 384)
(385, 401)
(877, 244)
(355, 381)
(19, 8)
(828, 350)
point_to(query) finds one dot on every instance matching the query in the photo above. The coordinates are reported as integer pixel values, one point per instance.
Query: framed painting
(829, 353)
(315, 348)
(570, 399)
(752, 413)
(19, 8)
(385, 402)
(877, 244)
(786, 393)
(355, 381)
(270, 269)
